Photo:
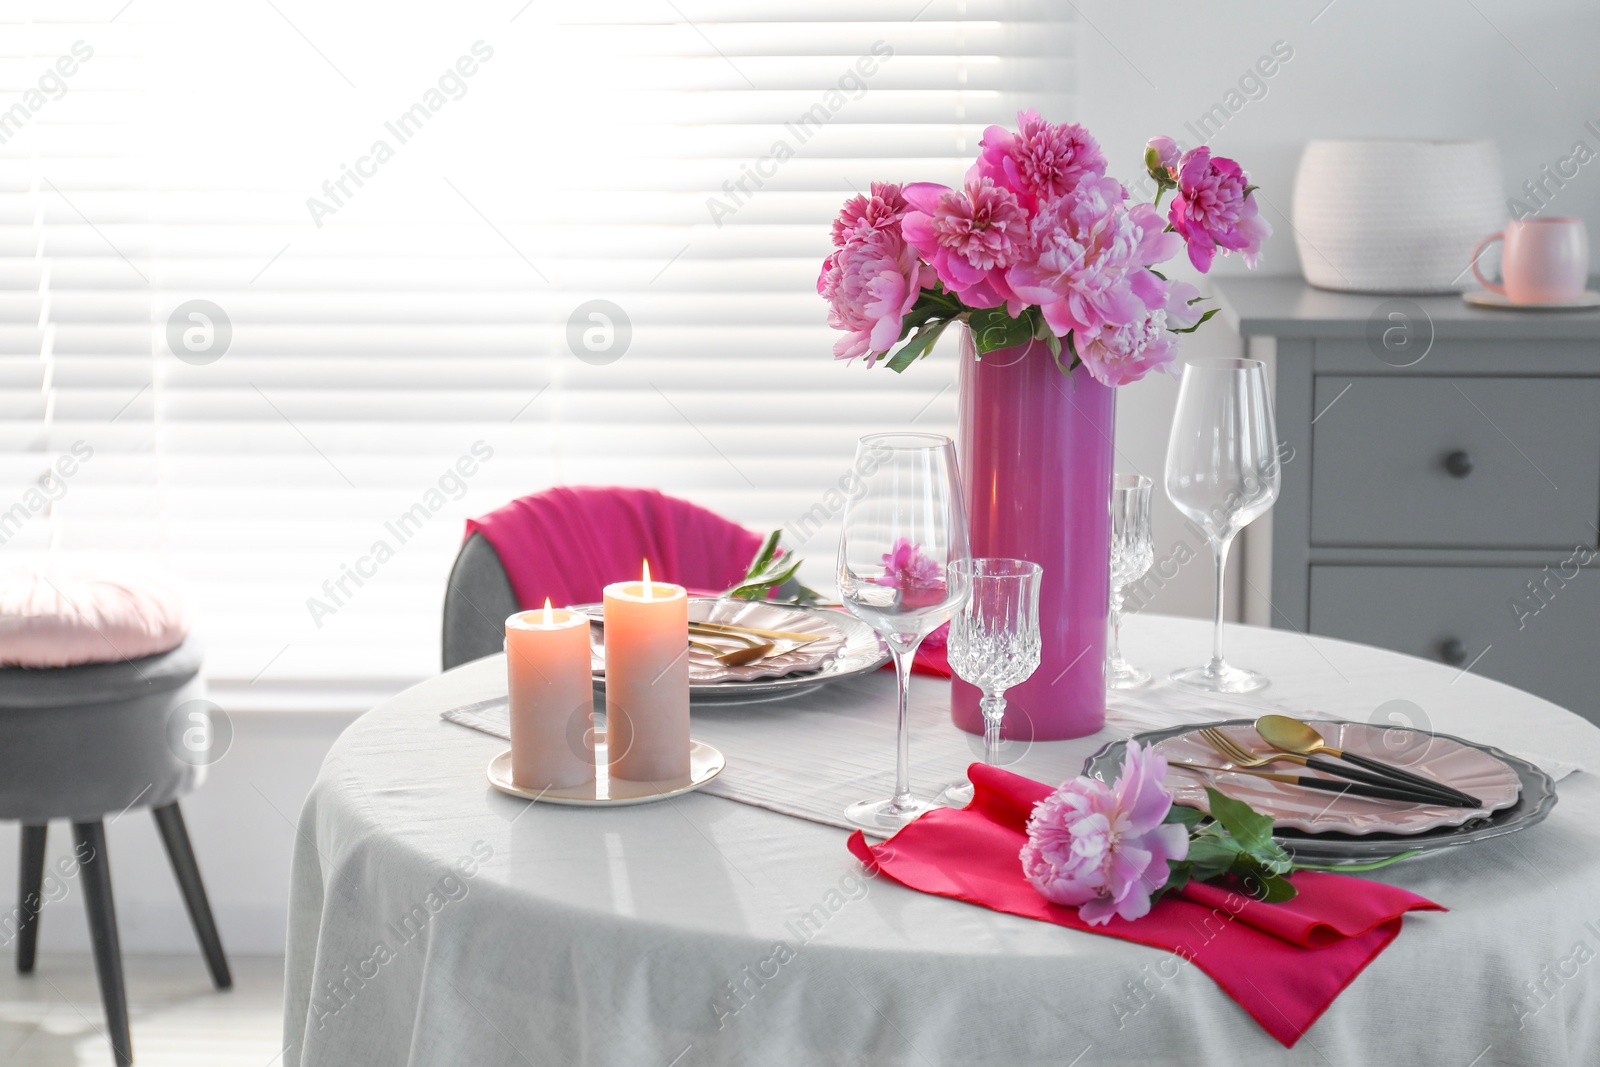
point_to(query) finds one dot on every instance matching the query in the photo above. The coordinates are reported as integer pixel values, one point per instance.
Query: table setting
(975, 810)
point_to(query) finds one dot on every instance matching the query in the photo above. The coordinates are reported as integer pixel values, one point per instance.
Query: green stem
(1354, 867)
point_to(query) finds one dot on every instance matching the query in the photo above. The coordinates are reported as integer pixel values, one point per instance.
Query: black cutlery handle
(1362, 789)
(1438, 794)
(1408, 776)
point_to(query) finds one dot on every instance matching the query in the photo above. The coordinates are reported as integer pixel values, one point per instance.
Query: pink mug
(1544, 261)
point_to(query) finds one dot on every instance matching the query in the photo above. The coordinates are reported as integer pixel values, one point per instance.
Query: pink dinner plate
(1315, 811)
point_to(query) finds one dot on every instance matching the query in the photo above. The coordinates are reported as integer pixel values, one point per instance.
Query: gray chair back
(477, 601)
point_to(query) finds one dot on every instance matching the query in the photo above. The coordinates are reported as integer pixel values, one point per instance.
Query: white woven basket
(1395, 216)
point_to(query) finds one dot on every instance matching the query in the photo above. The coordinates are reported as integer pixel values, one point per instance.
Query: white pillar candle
(551, 690)
(647, 680)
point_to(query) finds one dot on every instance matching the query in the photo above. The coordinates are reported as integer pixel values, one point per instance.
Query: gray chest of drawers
(1441, 479)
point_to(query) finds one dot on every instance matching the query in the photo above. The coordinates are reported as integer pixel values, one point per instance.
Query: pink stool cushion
(61, 620)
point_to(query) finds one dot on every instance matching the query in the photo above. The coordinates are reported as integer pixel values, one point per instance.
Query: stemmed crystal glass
(1132, 553)
(994, 642)
(901, 535)
(1222, 472)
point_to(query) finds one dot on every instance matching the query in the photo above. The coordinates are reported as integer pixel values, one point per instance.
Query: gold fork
(1243, 758)
(1240, 756)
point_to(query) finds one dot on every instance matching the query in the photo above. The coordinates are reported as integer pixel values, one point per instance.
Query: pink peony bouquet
(1038, 243)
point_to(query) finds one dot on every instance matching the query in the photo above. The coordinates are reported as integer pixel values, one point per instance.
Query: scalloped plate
(1536, 800)
(1441, 758)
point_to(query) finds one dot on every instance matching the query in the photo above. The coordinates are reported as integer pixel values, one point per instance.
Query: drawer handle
(1458, 464)
(1453, 652)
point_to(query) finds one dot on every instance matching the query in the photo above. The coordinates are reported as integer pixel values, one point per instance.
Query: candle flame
(549, 616)
(648, 593)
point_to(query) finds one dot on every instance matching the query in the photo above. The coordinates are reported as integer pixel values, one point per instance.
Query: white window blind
(391, 214)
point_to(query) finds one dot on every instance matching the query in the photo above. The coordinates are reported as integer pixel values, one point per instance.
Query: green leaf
(768, 570)
(1203, 320)
(766, 554)
(923, 311)
(993, 329)
(1041, 328)
(1157, 273)
(1251, 829)
(1190, 817)
(757, 585)
(917, 347)
(1211, 857)
(1269, 888)
(1072, 350)
(1177, 878)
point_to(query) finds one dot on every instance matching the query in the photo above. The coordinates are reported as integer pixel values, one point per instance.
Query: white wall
(1522, 74)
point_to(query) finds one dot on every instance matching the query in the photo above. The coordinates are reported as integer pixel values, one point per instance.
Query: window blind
(312, 285)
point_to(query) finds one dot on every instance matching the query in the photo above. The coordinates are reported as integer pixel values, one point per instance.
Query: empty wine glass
(901, 534)
(1222, 472)
(994, 642)
(1132, 552)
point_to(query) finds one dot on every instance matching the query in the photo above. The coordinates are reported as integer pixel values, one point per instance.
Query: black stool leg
(96, 876)
(30, 883)
(170, 819)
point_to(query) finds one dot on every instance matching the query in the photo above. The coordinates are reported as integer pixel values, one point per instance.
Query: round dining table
(436, 922)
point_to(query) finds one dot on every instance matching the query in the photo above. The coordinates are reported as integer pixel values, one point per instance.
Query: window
(307, 283)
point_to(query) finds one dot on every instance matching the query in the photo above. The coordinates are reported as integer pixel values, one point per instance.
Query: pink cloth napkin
(1282, 963)
(570, 542)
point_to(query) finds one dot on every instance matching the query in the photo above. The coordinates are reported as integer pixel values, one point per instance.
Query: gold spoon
(1292, 735)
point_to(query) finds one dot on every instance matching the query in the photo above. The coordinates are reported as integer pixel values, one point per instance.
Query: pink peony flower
(870, 283)
(909, 569)
(1117, 355)
(970, 237)
(1087, 262)
(1214, 209)
(1104, 849)
(1041, 160)
(880, 211)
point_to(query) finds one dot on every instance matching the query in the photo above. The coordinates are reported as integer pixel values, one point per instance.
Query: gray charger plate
(1533, 804)
(862, 652)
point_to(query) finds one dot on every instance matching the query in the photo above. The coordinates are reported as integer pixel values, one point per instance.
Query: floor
(53, 1018)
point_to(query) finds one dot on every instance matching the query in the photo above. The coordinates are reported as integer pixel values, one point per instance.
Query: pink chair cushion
(568, 543)
(61, 620)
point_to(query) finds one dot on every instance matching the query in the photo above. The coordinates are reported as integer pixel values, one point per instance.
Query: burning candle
(552, 698)
(647, 680)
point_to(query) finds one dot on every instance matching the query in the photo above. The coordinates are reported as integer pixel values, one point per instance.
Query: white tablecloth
(435, 922)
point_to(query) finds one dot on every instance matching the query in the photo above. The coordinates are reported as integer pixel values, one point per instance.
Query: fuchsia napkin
(1283, 963)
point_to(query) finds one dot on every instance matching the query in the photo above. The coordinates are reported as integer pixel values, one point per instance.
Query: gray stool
(77, 743)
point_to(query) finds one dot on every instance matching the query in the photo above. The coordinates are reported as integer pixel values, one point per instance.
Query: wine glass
(1132, 552)
(994, 642)
(1222, 472)
(902, 531)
